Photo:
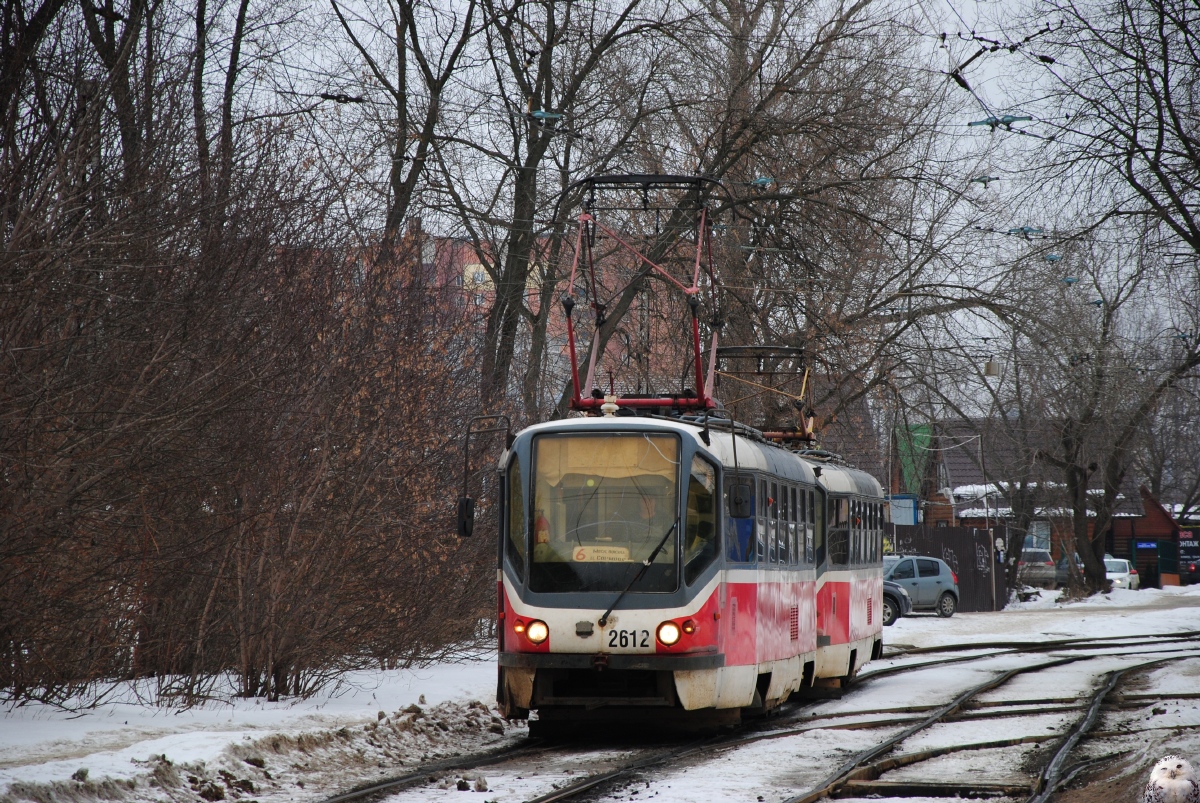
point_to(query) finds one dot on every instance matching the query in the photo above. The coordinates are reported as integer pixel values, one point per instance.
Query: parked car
(1062, 571)
(1121, 573)
(896, 602)
(1189, 558)
(929, 582)
(1036, 568)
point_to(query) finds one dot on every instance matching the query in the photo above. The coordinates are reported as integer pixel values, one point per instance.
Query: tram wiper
(645, 565)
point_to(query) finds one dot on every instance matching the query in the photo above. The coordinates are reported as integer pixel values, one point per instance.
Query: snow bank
(372, 726)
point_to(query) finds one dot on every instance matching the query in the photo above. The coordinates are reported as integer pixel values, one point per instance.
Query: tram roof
(752, 454)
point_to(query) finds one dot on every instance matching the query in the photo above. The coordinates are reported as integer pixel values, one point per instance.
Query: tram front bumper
(541, 660)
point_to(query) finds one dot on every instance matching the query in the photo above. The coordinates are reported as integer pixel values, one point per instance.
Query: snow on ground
(379, 724)
(374, 725)
(1119, 613)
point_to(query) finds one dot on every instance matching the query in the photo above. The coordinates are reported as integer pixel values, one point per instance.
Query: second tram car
(685, 567)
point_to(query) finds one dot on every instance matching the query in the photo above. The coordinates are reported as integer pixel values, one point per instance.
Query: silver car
(930, 582)
(1036, 568)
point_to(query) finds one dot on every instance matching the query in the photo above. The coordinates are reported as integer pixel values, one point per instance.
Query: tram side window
(849, 522)
(882, 528)
(739, 533)
(773, 524)
(854, 532)
(701, 526)
(865, 533)
(792, 525)
(785, 525)
(839, 532)
(514, 545)
(763, 534)
(806, 531)
(876, 532)
(781, 526)
(816, 501)
(870, 533)
(868, 556)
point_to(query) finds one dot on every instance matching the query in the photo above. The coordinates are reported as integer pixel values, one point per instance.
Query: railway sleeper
(892, 789)
(875, 770)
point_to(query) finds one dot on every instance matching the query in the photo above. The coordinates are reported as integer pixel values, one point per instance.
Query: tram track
(842, 775)
(865, 767)
(1052, 644)
(378, 789)
(1001, 648)
(854, 771)
(860, 776)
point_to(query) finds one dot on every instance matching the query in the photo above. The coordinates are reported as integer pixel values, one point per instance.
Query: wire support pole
(568, 304)
(694, 304)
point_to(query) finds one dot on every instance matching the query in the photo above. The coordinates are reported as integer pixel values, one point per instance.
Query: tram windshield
(601, 504)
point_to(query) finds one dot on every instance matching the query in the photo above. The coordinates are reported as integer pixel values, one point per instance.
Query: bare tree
(1166, 460)
(423, 51)
(220, 422)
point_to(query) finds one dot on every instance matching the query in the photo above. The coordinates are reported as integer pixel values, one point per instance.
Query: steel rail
(832, 782)
(1146, 638)
(1016, 647)
(535, 746)
(1052, 774)
(729, 742)
(388, 785)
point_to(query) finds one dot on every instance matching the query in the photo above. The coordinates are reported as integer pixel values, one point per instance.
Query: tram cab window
(514, 545)
(700, 526)
(739, 533)
(602, 504)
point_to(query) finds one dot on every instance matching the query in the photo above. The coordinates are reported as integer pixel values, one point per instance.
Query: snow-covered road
(310, 749)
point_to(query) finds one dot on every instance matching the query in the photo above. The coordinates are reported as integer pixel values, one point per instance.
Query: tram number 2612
(629, 638)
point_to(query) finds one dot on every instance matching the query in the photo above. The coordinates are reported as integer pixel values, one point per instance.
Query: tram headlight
(668, 633)
(536, 631)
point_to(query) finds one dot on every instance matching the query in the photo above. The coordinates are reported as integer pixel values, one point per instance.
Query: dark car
(1062, 575)
(896, 602)
(929, 581)
(1189, 558)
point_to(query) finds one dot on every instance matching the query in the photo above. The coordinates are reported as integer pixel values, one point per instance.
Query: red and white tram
(655, 556)
(678, 565)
